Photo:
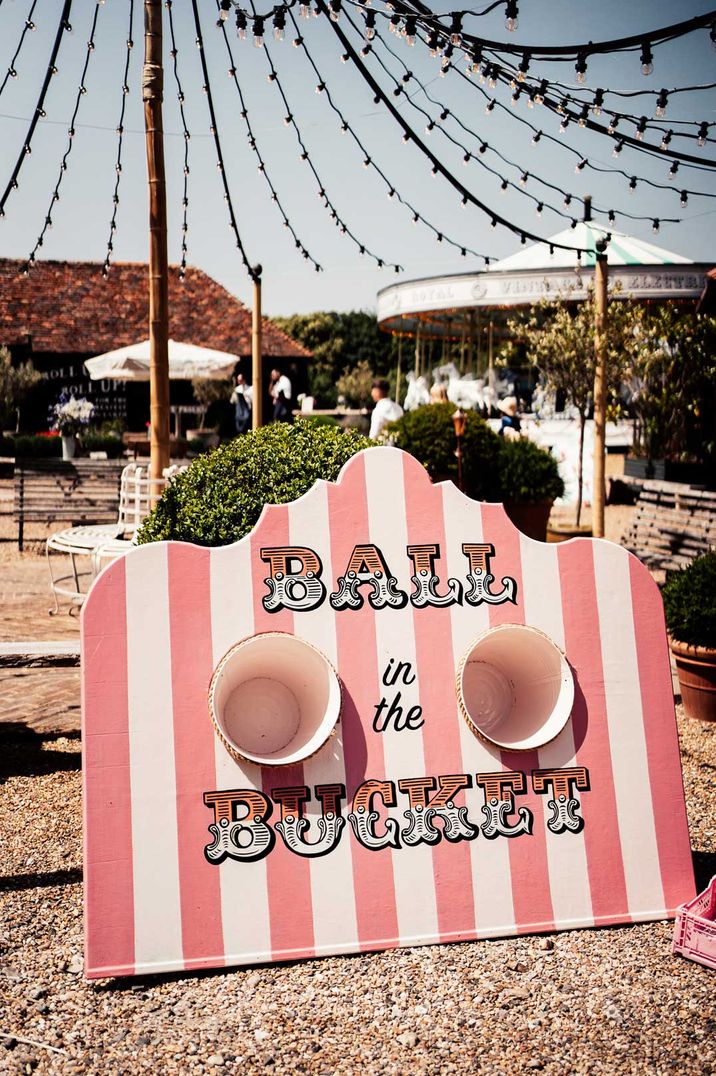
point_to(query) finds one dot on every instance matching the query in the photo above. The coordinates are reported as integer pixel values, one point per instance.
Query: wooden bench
(672, 525)
(67, 491)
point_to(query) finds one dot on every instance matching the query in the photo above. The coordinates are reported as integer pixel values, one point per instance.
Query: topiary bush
(690, 602)
(429, 435)
(219, 498)
(528, 474)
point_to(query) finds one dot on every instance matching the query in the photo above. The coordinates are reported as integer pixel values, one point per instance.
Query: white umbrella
(186, 362)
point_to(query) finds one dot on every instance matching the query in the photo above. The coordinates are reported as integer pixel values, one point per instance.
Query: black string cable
(299, 245)
(539, 134)
(120, 143)
(409, 135)
(483, 145)
(173, 52)
(81, 91)
(254, 275)
(12, 70)
(39, 112)
(393, 192)
(305, 156)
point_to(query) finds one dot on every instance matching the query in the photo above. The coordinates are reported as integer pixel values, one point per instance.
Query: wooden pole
(600, 387)
(257, 406)
(152, 94)
(397, 375)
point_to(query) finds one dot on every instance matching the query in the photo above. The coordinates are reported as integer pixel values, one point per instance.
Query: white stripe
(630, 766)
(566, 852)
(490, 859)
(395, 638)
(244, 888)
(335, 923)
(157, 908)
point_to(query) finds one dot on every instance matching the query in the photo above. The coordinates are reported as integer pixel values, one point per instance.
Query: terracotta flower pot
(696, 666)
(531, 519)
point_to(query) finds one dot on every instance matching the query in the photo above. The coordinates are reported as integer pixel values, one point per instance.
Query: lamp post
(458, 421)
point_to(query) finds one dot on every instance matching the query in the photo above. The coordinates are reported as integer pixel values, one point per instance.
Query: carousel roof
(622, 250)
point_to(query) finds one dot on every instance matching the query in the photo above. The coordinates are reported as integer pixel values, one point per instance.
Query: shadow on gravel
(70, 876)
(704, 868)
(22, 754)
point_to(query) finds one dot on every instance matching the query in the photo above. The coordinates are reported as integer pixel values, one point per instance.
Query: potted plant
(15, 384)
(70, 414)
(530, 482)
(690, 608)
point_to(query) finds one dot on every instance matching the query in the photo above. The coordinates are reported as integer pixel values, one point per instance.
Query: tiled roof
(69, 307)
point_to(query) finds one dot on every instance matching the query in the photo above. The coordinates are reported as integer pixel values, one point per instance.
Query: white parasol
(186, 362)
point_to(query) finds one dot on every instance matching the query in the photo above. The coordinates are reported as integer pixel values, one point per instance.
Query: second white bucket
(515, 687)
(274, 699)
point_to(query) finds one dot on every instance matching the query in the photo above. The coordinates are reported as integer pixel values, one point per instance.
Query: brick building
(63, 313)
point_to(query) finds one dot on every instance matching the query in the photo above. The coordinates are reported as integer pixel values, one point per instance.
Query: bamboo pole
(257, 406)
(601, 273)
(152, 95)
(397, 375)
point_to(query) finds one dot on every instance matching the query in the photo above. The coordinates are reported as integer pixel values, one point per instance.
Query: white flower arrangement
(70, 414)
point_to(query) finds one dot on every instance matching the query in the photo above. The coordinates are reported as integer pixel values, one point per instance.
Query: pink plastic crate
(695, 927)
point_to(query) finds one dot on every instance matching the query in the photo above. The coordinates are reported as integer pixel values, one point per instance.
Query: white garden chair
(100, 543)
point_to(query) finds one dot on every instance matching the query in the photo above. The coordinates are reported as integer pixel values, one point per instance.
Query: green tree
(559, 338)
(15, 384)
(339, 341)
(356, 384)
(672, 379)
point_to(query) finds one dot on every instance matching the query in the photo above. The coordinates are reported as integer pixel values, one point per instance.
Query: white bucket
(274, 699)
(515, 687)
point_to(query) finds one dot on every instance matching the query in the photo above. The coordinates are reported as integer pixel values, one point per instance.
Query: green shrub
(31, 446)
(690, 602)
(527, 473)
(429, 435)
(219, 498)
(102, 442)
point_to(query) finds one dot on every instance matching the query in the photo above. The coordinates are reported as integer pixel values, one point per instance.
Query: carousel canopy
(622, 250)
(186, 362)
(451, 306)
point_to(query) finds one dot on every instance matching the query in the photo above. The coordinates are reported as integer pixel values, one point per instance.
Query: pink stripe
(591, 732)
(192, 664)
(376, 910)
(662, 742)
(529, 866)
(441, 732)
(288, 875)
(109, 883)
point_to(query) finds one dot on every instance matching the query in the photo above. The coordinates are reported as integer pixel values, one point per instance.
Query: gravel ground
(612, 1001)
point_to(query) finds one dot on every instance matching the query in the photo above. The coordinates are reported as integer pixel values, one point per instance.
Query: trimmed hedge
(690, 602)
(31, 446)
(528, 474)
(219, 498)
(429, 435)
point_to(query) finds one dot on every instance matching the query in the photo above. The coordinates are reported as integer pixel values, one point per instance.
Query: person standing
(281, 392)
(510, 423)
(242, 399)
(385, 410)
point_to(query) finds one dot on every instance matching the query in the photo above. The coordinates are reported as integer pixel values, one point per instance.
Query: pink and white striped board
(591, 827)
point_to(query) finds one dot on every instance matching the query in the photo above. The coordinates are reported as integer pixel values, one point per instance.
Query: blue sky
(81, 218)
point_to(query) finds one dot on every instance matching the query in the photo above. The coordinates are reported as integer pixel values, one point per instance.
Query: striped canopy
(622, 250)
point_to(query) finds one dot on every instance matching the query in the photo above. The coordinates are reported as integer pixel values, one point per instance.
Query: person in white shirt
(281, 392)
(242, 399)
(385, 410)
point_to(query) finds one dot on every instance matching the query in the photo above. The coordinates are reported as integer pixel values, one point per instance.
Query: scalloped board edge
(406, 828)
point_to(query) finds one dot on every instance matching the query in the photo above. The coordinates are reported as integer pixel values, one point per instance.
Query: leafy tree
(559, 338)
(339, 341)
(15, 384)
(208, 391)
(356, 384)
(672, 381)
